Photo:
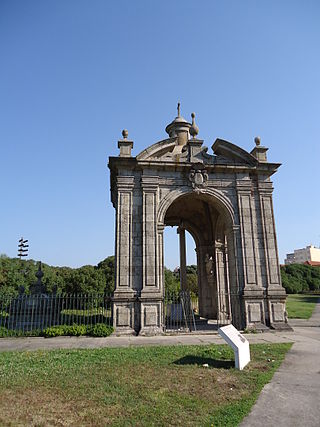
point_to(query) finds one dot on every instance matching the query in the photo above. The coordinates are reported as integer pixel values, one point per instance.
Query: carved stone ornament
(198, 177)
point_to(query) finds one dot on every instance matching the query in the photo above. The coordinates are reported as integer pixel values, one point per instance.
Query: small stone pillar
(259, 152)
(125, 145)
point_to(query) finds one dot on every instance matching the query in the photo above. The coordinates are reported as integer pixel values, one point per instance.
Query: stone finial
(38, 287)
(259, 152)
(194, 130)
(125, 145)
(39, 273)
(257, 140)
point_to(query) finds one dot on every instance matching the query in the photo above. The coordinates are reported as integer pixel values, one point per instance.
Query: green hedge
(98, 330)
(4, 332)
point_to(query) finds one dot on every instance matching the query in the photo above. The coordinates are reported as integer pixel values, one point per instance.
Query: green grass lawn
(137, 386)
(301, 306)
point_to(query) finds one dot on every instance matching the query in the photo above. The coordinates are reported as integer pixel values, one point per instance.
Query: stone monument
(224, 200)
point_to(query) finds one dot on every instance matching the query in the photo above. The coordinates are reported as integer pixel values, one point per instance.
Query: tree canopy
(297, 278)
(15, 273)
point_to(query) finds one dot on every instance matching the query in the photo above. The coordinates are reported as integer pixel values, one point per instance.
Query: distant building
(313, 263)
(309, 255)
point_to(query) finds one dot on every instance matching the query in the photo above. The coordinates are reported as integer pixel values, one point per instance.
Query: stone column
(151, 298)
(222, 283)
(207, 281)
(183, 263)
(123, 298)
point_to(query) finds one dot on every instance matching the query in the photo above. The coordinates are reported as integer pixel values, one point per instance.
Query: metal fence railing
(179, 312)
(183, 314)
(182, 311)
(36, 312)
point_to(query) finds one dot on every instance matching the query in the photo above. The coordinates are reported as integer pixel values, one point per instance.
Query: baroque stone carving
(198, 176)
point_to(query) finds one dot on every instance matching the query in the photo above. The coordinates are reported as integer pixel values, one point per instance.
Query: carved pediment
(161, 150)
(226, 152)
(169, 150)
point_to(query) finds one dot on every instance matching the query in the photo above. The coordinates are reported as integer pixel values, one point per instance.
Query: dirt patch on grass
(37, 407)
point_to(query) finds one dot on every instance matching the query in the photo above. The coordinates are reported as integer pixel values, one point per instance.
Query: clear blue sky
(74, 73)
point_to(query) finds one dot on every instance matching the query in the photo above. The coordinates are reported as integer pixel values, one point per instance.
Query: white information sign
(238, 343)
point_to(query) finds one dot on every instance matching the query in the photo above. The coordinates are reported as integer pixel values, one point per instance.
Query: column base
(122, 331)
(150, 331)
(124, 310)
(254, 306)
(281, 326)
(151, 314)
(276, 302)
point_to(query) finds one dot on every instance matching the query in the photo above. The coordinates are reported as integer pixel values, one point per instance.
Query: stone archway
(224, 200)
(212, 230)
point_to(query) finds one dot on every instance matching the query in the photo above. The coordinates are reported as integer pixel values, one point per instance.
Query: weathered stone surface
(224, 200)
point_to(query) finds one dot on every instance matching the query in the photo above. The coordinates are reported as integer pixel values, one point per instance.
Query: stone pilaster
(247, 235)
(275, 293)
(151, 298)
(269, 237)
(253, 292)
(124, 298)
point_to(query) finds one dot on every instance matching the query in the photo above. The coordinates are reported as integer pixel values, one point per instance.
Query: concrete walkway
(292, 398)
(39, 343)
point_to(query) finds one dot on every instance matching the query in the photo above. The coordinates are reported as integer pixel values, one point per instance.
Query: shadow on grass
(310, 298)
(197, 360)
(304, 298)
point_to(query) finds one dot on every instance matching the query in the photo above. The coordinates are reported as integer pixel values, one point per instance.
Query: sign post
(238, 343)
(22, 248)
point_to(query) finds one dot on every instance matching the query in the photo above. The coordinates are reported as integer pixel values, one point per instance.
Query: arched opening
(180, 268)
(210, 226)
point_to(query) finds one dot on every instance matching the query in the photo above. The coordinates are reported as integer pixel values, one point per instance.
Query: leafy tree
(172, 280)
(15, 273)
(108, 268)
(172, 284)
(298, 278)
(192, 283)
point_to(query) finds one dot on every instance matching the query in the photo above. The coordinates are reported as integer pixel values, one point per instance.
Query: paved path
(292, 398)
(39, 343)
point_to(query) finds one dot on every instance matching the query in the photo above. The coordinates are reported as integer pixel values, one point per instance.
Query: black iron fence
(26, 313)
(183, 313)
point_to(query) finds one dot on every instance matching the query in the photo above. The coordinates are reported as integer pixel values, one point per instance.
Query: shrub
(75, 330)
(100, 330)
(4, 332)
(53, 331)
